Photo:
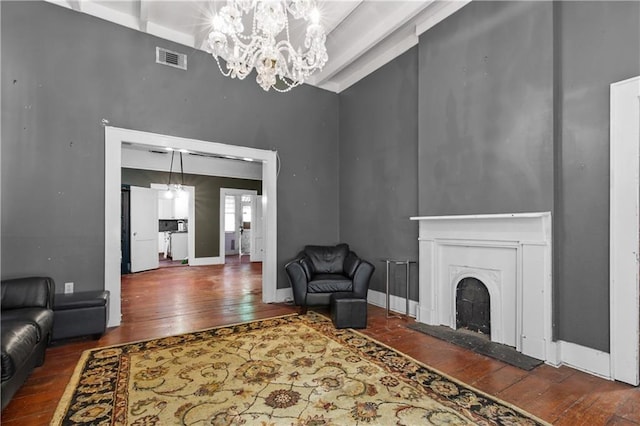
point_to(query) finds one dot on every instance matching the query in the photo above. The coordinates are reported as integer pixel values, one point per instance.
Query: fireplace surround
(510, 254)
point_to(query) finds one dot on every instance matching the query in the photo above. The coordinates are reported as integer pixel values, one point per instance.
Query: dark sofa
(27, 324)
(319, 271)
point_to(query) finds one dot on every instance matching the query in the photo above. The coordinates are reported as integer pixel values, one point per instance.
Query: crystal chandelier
(268, 48)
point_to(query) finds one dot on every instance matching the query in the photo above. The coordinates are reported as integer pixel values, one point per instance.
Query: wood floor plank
(619, 421)
(630, 408)
(481, 368)
(180, 299)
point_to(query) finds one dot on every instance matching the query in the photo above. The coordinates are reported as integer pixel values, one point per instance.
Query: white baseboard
(581, 358)
(203, 261)
(114, 322)
(585, 359)
(397, 304)
(376, 298)
(284, 295)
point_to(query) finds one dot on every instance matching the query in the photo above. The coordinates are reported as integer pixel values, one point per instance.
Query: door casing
(115, 137)
(256, 229)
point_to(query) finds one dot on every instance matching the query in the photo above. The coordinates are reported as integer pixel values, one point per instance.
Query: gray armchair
(319, 271)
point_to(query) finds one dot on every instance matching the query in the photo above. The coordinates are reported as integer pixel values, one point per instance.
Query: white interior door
(229, 226)
(233, 216)
(257, 246)
(245, 219)
(625, 230)
(144, 229)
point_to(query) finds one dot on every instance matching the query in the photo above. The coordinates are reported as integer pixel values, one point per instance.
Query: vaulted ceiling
(362, 35)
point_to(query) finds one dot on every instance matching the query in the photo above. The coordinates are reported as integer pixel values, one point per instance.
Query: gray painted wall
(485, 111)
(488, 130)
(513, 116)
(598, 44)
(379, 168)
(207, 202)
(63, 72)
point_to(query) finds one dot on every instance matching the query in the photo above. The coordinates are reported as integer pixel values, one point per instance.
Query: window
(246, 214)
(229, 213)
(246, 209)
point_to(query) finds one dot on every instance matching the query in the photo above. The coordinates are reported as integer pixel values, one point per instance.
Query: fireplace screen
(473, 306)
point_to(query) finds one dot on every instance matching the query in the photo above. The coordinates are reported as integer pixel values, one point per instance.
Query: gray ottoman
(348, 310)
(80, 314)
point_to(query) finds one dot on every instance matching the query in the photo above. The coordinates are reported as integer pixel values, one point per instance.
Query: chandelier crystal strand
(268, 48)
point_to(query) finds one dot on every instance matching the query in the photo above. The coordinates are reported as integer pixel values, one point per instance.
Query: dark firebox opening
(473, 306)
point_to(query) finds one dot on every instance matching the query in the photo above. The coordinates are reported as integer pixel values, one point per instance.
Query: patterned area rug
(291, 370)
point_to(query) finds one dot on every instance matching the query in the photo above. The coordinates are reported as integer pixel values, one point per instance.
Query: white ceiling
(362, 35)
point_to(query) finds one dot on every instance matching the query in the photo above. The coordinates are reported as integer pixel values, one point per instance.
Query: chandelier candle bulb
(268, 48)
(314, 15)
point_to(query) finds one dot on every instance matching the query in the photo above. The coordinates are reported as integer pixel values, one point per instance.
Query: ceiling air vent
(173, 59)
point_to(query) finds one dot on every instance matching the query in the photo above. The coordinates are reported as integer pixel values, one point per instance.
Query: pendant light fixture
(175, 189)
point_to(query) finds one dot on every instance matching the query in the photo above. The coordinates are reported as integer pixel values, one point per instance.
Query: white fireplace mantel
(511, 255)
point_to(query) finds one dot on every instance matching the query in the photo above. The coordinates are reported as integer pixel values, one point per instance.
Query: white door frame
(624, 230)
(114, 137)
(256, 231)
(223, 193)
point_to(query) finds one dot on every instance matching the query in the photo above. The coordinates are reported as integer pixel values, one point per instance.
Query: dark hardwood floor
(174, 300)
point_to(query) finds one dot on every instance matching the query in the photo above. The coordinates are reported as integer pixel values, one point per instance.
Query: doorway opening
(176, 225)
(241, 227)
(116, 137)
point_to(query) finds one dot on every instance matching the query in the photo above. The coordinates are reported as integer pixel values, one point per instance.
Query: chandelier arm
(243, 69)
(252, 53)
(288, 52)
(241, 45)
(254, 56)
(246, 50)
(284, 46)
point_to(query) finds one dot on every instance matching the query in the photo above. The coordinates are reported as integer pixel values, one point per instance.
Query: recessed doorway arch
(115, 137)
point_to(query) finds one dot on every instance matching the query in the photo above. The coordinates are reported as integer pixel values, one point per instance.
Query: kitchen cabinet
(173, 208)
(181, 206)
(165, 207)
(178, 246)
